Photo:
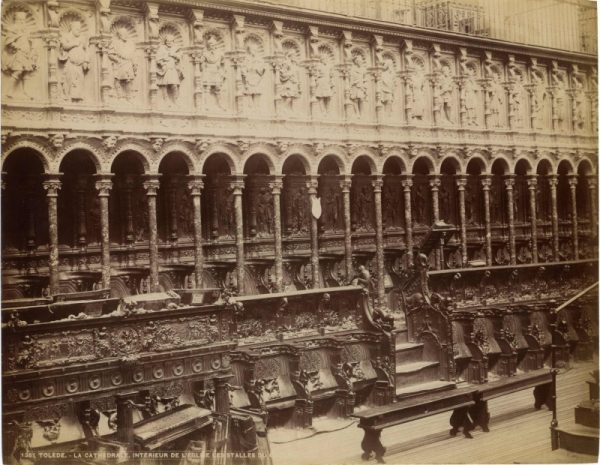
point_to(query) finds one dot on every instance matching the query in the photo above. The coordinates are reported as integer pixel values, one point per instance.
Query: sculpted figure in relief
(289, 79)
(121, 54)
(264, 209)
(18, 57)
(470, 90)
(388, 82)
(496, 99)
(538, 96)
(168, 62)
(558, 79)
(517, 97)
(418, 95)
(446, 92)
(253, 71)
(578, 102)
(358, 85)
(213, 69)
(74, 56)
(324, 85)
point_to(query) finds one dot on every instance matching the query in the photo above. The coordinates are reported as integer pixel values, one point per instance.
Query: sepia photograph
(299, 232)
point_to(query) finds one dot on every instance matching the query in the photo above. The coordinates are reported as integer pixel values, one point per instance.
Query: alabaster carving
(387, 82)
(253, 71)
(74, 57)
(213, 67)
(324, 84)
(417, 91)
(578, 101)
(19, 59)
(121, 54)
(168, 63)
(289, 76)
(358, 83)
(496, 98)
(446, 89)
(471, 93)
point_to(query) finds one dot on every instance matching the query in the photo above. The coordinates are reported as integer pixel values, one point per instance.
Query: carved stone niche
(296, 211)
(330, 192)
(258, 207)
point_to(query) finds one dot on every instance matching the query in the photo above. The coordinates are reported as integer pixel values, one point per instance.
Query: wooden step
(407, 352)
(578, 438)
(403, 392)
(400, 336)
(417, 372)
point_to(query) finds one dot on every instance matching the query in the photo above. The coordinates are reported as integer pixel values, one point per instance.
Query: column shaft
(406, 185)
(379, 246)
(52, 186)
(461, 183)
(312, 185)
(532, 185)
(434, 184)
(238, 186)
(346, 184)
(103, 186)
(276, 187)
(195, 185)
(151, 184)
(592, 187)
(574, 224)
(486, 184)
(553, 181)
(509, 183)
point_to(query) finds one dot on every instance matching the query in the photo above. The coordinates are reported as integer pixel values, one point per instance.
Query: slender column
(575, 233)
(553, 182)
(276, 185)
(103, 186)
(312, 185)
(434, 184)
(52, 186)
(346, 184)
(195, 186)
(151, 185)
(80, 196)
(592, 183)
(509, 183)
(406, 185)
(238, 186)
(461, 183)
(532, 186)
(486, 184)
(379, 246)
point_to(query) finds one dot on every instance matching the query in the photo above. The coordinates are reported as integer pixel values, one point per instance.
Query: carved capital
(103, 184)
(377, 183)
(312, 183)
(461, 181)
(406, 182)
(237, 184)
(52, 184)
(532, 182)
(552, 180)
(434, 182)
(151, 184)
(592, 181)
(195, 185)
(276, 185)
(346, 184)
(572, 181)
(486, 182)
(509, 181)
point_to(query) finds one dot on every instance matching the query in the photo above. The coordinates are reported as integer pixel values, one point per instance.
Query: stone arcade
(218, 216)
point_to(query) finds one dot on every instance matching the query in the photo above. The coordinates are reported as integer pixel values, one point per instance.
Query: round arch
(523, 167)
(180, 149)
(296, 158)
(423, 162)
(452, 161)
(82, 147)
(585, 167)
(37, 149)
(365, 161)
(220, 150)
(565, 166)
(545, 166)
(391, 160)
(256, 158)
(337, 158)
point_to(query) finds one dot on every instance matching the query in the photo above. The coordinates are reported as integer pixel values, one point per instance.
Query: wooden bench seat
(469, 406)
(373, 421)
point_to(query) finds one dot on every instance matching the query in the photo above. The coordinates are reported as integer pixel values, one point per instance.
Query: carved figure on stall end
(121, 53)
(446, 84)
(289, 79)
(21, 434)
(169, 74)
(213, 69)
(324, 86)
(358, 84)
(19, 59)
(253, 71)
(74, 57)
